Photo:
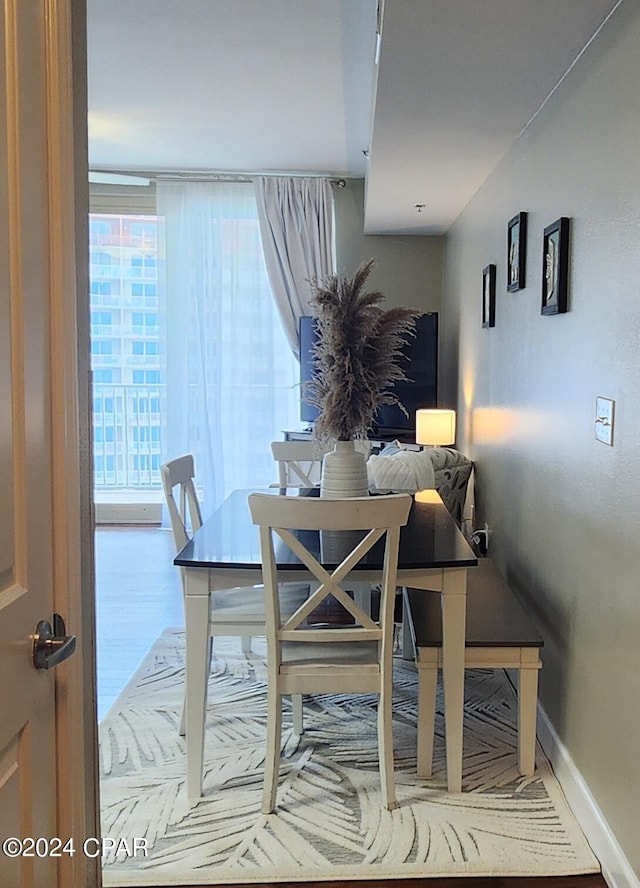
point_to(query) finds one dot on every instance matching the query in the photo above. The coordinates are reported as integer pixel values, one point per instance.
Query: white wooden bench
(500, 635)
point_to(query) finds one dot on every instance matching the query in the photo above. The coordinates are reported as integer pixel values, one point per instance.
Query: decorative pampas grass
(357, 354)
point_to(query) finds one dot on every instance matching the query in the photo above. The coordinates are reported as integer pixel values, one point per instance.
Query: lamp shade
(435, 426)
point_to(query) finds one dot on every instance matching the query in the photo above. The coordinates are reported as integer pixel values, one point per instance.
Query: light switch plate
(604, 420)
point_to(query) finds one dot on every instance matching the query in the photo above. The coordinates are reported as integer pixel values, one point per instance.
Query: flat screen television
(420, 365)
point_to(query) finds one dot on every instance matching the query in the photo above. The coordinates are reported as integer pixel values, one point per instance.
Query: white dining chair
(238, 612)
(305, 659)
(299, 463)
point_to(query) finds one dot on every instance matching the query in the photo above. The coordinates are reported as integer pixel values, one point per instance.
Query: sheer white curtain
(231, 377)
(296, 222)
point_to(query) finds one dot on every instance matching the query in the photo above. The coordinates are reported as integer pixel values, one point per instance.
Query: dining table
(224, 553)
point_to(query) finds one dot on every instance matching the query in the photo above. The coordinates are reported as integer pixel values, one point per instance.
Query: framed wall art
(555, 267)
(516, 252)
(489, 296)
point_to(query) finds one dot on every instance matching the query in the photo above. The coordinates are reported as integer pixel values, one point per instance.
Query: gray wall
(408, 269)
(562, 506)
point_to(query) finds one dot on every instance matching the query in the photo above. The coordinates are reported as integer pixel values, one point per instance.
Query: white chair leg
(408, 650)
(245, 643)
(427, 684)
(385, 749)
(272, 755)
(298, 717)
(527, 706)
(182, 727)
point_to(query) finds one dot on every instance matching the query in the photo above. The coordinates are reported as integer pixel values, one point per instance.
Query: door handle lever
(52, 645)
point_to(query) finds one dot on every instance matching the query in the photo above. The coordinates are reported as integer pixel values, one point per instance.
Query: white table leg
(197, 607)
(362, 596)
(454, 601)
(527, 710)
(427, 688)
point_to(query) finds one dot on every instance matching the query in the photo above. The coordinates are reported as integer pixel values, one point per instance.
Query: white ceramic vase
(344, 472)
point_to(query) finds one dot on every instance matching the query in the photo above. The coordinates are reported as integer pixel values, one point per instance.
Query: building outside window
(125, 334)
(128, 349)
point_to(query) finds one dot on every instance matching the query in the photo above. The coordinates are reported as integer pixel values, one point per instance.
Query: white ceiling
(292, 86)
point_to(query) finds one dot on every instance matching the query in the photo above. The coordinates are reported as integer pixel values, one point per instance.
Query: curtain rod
(212, 176)
(242, 177)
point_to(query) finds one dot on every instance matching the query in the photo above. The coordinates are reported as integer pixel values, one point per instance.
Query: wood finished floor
(138, 595)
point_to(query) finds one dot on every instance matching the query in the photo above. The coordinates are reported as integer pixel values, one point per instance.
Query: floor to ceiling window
(134, 335)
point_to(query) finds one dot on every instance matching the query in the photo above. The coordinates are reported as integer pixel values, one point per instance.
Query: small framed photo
(489, 296)
(516, 252)
(555, 267)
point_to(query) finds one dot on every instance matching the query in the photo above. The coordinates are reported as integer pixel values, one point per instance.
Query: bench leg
(427, 683)
(527, 706)
(454, 604)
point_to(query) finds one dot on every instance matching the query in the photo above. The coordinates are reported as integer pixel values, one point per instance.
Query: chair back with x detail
(303, 658)
(299, 462)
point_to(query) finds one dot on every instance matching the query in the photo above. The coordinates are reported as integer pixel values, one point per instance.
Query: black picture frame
(555, 267)
(489, 296)
(516, 252)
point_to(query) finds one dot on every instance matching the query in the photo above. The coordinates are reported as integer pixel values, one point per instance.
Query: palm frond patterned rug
(329, 823)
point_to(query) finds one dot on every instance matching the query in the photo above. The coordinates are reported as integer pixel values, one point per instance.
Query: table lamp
(435, 427)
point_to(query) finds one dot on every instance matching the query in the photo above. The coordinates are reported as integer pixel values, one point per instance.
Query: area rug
(329, 823)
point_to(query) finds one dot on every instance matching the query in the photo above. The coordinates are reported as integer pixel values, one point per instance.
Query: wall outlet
(480, 539)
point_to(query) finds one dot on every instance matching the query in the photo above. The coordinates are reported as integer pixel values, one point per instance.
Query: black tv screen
(420, 364)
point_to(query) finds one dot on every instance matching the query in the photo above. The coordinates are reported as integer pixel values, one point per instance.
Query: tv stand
(378, 439)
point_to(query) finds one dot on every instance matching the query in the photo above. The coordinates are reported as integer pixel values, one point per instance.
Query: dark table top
(228, 539)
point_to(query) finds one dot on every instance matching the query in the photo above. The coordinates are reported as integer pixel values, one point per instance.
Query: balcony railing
(127, 422)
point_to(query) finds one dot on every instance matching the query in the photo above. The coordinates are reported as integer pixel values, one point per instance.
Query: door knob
(52, 645)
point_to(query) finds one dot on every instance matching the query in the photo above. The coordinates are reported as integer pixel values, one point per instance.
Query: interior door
(45, 759)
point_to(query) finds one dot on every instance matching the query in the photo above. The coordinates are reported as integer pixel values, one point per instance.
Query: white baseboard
(616, 869)
(128, 513)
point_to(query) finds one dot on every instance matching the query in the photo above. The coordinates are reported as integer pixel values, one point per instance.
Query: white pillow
(404, 472)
